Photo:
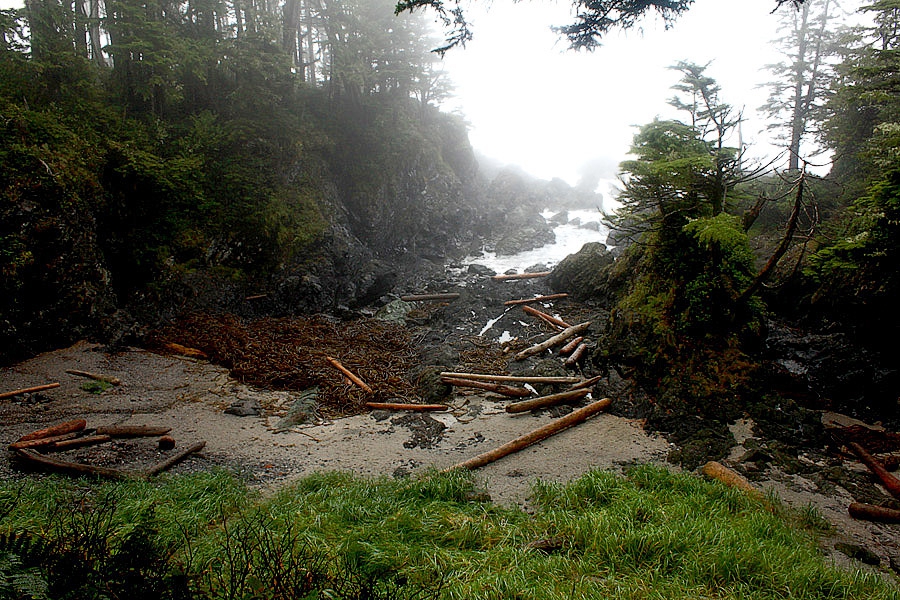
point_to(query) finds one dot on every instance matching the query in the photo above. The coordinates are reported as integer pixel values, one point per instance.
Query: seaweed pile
(290, 354)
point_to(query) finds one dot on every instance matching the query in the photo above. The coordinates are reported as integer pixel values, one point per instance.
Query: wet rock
(481, 270)
(585, 274)
(244, 408)
(394, 312)
(303, 410)
(560, 218)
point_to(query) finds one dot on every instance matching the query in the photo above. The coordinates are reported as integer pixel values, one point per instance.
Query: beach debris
(95, 376)
(890, 483)
(54, 430)
(517, 276)
(546, 298)
(730, 477)
(538, 435)
(576, 355)
(429, 297)
(557, 339)
(29, 390)
(410, 407)
(184, 350)
(497, 388)
(871, 512)
(130, 431)
(545, 401)
(510, 378)
(349, 374)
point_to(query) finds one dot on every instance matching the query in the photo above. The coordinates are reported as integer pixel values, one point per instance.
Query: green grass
(648, 534)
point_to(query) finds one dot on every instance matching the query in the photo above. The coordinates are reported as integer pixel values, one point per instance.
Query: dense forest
(160, 156)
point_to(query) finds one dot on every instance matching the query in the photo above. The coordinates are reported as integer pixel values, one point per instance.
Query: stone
(244, 408)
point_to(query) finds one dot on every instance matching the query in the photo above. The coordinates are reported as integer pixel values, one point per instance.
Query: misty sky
(550, 110)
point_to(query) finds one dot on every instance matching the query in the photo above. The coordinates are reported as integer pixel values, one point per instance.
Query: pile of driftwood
(37, 447)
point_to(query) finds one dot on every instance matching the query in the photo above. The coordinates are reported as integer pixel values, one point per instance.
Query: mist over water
(569, 240)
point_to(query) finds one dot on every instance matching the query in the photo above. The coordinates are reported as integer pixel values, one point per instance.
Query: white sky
(532, 102)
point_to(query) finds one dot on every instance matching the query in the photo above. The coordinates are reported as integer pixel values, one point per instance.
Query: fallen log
(255, 297)
(576, 356)
(29, 390)
(425, 297)
(88, 440)
(559, 338)
(412, 407)
(510, 378)
(586, 383)
(871, 512)
(498, 388)
(731, 478)
(174, 460)
(546, 298)
(41, 442)
(95, 376)
(58, 429)
(542, 315)
(545, 401)
(570, 347)
(359, 382)
(890, 483)
(538, 435)
(517, 276)
(66, 466)
(129, 431)
(185, 350)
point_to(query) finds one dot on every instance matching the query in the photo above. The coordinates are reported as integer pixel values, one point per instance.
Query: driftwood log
(412, 407)
(95, 376)
(41, 442)
(557, 339)
(731, 478)
(87, 440)
(546, 298)
(426, 297)
(871, 512)
(58, 429)
(74, 468)
(890, 483)
(129, 431)
(570, 347)
(545, 401)
(347, 373)
(538, 435)
(498, 388)
(518, 276)
(510, 378)
(576, 355)
(542, 315)
(586, 383)
(184, 350)
(29, 390)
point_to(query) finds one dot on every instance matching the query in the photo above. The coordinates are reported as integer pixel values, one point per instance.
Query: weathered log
(95, 376)
(29, 390)
(871, 512)
(890, 483)
(426, 297)
(412, 407)
(174, 460)
(517, 276)
(359, 382)
(546, 298)
(586, 383)
(731, 478)
(58, 429)
(184, 350)
(542, 315)
(66, 466)
(559, 338)
(577, 355)
(128, 431)
(88, 440)
(498, 388)
(255, 297)
(510, 378)
(545, 401)
(570, 347)
(535, 436)
(40, 442)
